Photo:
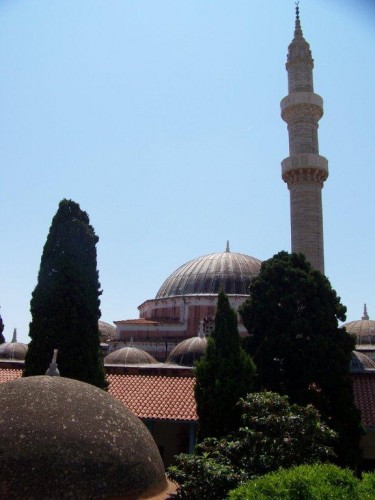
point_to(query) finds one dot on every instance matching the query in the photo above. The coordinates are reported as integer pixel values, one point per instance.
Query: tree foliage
(65, 302)
(274, 434)
(306, 482)
(224, 374)
(2, 338)
(292, 315)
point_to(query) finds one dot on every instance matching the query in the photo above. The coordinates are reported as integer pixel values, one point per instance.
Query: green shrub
(306, 482)
(367, 486)
(274, 434)
(203, 477)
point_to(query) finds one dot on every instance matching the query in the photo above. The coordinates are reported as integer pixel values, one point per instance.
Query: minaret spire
(304, 170)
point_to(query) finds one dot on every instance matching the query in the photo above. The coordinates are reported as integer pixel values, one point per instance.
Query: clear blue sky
(161, 118)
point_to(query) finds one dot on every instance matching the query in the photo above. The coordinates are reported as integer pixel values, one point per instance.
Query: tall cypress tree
(299, 349)
(2, 339)
(65, 302)
(224, 374)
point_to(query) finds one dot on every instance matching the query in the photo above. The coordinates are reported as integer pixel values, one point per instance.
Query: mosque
(185, 302)
(149, 359)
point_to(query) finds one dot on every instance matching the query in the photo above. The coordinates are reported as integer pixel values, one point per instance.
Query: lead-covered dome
(129, 356)
(13, 351)
(227, 271)
(363, 329)
(187, 352)
(106, 331)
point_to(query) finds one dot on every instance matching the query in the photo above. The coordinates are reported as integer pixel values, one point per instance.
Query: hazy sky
(161, 118)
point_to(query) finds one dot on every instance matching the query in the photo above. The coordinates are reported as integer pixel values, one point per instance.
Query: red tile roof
(149, 397)
(364, 396)
(172, 398)
(7, 374)
(156, 397)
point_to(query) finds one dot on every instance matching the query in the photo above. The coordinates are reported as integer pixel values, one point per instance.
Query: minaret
(304, 170)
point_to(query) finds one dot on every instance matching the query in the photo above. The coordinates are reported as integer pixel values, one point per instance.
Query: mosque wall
(171, 438)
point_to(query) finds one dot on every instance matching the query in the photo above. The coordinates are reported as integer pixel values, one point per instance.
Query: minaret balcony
(307, 162)
(298, 99)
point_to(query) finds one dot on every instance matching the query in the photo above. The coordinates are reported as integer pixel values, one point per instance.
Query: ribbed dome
(363, 329)
(13, 350)
(129, 356)
(226, 271)
(107, 331)
(360, 363)
(187, 351)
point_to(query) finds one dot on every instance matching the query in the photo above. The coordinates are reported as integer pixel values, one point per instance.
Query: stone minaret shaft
(304, 170)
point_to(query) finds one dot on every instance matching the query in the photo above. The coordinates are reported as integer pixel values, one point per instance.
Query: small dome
(77, 442)
(129, 356)
(363, 329)
(360, 363)
(13, 351)
(188, 351)
(226, 271)
(106, 331)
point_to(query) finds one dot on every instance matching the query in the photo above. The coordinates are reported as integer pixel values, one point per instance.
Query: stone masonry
(304, 170)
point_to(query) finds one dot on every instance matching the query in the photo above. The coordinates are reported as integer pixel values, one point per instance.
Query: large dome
(228, 271)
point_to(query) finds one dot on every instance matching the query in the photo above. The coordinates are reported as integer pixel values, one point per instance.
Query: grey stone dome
(227, 271)
(129, 356)
(62, 438)
(187, 352)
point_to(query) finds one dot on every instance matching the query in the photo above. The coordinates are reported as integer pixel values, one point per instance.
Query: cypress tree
(65, 302)
(299, 349)
(2, 339)
(224, 374)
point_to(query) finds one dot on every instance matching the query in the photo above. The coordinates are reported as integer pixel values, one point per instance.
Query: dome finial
(53, 371)
(365, 315)
(227, 249)
(201, 329)
(297, 11)
(14, 338)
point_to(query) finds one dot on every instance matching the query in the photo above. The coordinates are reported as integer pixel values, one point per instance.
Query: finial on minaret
(227, 249)
(14, 338)
(365, 315)
(53, 371)
(298, 29)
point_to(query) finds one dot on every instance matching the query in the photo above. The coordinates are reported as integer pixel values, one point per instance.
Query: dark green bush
(274, 434)
(202, 477)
